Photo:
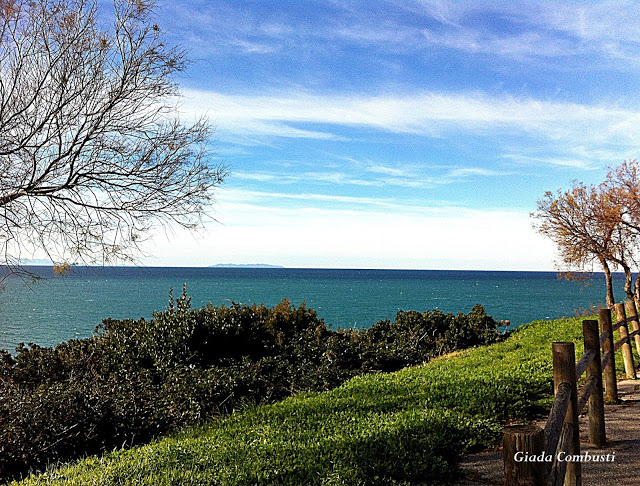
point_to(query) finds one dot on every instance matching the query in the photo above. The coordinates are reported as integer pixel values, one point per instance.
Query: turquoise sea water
(56, 309)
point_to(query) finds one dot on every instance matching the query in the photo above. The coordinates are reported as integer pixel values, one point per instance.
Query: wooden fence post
(520, 442)
(610, 381)
(632, 318)
(564, 371)
(627, 356)
(591, 334)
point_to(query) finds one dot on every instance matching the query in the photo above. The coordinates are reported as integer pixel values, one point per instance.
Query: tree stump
(524, 457)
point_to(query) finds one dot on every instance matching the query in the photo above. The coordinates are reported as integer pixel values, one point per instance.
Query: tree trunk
(607, 275)
(628, 282)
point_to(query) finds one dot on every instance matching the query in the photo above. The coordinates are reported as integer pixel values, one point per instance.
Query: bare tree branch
(91, 153)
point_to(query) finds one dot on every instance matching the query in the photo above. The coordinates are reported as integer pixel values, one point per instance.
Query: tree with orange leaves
(598, 224)
(583, 224)
(623, 186)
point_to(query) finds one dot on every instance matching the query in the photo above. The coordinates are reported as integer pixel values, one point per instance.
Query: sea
(54, 309)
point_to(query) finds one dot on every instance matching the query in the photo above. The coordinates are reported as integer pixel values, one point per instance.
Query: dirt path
(623, 437)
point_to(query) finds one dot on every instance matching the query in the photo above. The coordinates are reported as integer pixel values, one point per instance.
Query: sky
(402, 133)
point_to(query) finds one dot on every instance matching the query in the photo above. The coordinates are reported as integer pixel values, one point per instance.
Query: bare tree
(91, 151)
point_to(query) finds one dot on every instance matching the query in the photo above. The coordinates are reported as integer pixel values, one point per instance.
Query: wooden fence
(551, 457)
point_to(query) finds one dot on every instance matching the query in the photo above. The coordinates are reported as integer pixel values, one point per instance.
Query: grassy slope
(399, 428)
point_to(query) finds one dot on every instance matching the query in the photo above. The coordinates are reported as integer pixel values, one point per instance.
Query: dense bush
(407, 427)
(136, 379)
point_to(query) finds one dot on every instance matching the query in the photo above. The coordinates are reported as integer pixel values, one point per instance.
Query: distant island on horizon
(36, 262)
(244, 265)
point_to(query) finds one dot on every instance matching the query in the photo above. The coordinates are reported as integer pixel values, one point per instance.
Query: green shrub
(401, 428)
(137, 379)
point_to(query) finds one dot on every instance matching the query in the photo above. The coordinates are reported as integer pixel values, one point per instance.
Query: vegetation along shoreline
(349, 415)
(135, 380)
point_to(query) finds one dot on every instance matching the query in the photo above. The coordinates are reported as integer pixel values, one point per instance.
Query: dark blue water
(56, 309)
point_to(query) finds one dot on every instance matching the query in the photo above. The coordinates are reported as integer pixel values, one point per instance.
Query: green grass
(406, 427)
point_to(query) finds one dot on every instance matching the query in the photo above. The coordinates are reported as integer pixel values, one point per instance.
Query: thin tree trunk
(607, 275)
(628, 282)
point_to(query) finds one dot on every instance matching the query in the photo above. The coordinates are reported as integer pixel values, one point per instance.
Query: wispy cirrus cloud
(520, 31)
(253, 197)
(521, 46)
(575, 157)
(475, 171)
(617, 20)
(575, 163)
(390, 171)
(427, 114)
(374, 176)
(527, 30)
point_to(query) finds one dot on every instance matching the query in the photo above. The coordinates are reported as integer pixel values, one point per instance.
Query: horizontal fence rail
(561, 435)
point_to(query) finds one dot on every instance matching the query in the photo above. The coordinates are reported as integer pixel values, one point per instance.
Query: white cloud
(425, 114)
(380, 176)
(248, 127)
(264, 177)
(388, 34)
(474, 171)
(391, 171)
(540, 29)
(255, 48)
(578, 163)
(609, 20)
(394, 237)
(264, 198)
(609, 29)
(520, 46)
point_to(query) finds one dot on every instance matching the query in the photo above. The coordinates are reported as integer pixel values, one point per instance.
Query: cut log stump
(523, 450)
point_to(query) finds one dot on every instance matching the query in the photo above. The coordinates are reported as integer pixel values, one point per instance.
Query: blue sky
(400, 133)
